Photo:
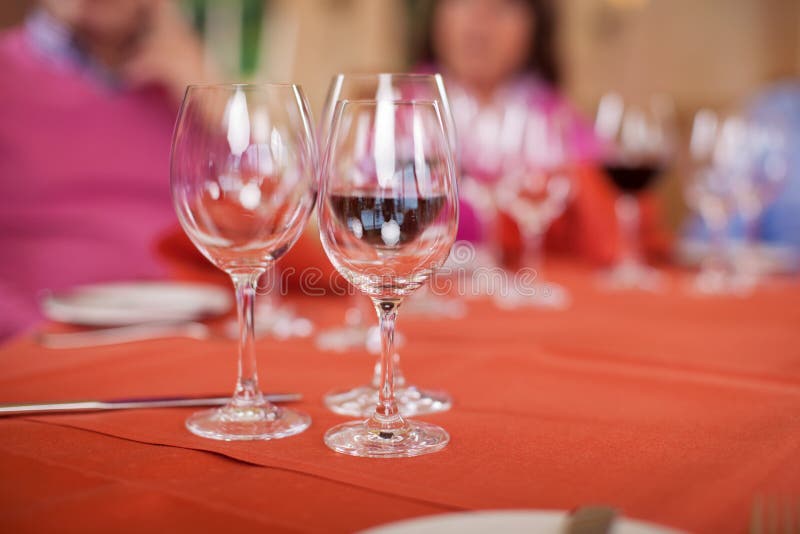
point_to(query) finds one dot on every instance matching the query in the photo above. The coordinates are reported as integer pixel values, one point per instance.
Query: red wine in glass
(386, 221)
(633, 178)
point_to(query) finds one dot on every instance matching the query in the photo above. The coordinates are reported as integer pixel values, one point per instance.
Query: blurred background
(95, 85)
(709, 53)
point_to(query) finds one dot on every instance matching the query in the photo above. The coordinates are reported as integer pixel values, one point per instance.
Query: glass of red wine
(358, 331)
(243, 173)
(638, 146)
(388, 215)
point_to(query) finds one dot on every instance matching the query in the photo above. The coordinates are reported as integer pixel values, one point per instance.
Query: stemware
(243, 172)
(737, 167)
(535, 189)
(357, 333)
(717, 162)
(388, 215)
(768, 170)
(638, 147)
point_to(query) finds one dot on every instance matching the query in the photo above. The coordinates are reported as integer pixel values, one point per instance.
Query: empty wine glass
(638, 147)
(535, 189)
(717, 163)
(737, 167)
(388, 214)
(768, 170)
(358, 332)
(243, 172)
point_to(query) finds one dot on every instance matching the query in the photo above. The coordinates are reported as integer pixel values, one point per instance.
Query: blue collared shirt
(57, 44)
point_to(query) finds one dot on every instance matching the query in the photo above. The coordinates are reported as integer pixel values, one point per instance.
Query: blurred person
(88, 99)
(498, 58)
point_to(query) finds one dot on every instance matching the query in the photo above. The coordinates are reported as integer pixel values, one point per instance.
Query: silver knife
(128, 404)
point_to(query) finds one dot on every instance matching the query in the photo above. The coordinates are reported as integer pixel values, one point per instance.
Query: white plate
(505, 521)
(136, 302)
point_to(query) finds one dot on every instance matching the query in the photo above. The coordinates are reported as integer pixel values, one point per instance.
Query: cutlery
(279, 325)
(122, 334)
(590, 520)
(128, 404)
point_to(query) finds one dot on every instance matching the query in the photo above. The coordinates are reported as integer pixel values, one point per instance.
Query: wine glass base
(714, 283)
(356, 439)
(343, 339)
(633, 275)
(361, 401)
(231, 423)
(544, 295)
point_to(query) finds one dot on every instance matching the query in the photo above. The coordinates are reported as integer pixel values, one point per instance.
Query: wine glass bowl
(388, 214)
(391, 87)
(535, 200)
(243, 177)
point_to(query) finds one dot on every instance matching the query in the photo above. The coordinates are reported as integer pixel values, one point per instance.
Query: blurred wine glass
(767, 172)
(536, 187)
(737, 168)
(358, 332)
(638, 146)
(243, 176)
(388, 215)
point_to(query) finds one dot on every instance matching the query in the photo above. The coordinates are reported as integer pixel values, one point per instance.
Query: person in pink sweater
(88, 97)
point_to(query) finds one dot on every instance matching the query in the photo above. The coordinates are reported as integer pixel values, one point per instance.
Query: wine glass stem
(627, 208)
(387, 416)
(532, 249)
(399, 378)
(271, 285)
(716, 263)
(247, 391)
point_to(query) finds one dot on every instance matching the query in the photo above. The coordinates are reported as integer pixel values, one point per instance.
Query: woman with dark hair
(488, 41)
(499, 61)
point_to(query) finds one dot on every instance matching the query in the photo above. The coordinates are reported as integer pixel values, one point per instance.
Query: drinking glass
(243, 173)
(388, 214)
(357, 333)
(535, 189)
(736, 168)
(638, 146)
(768, 170)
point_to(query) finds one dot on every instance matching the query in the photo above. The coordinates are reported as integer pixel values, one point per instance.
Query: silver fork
(775, 514)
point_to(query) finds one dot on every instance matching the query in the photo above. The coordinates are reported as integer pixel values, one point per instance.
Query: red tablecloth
(675, 409)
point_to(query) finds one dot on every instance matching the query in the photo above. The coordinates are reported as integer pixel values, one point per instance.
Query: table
(675, 409)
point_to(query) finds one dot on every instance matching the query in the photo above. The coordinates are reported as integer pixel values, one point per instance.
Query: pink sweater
(84, 168)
